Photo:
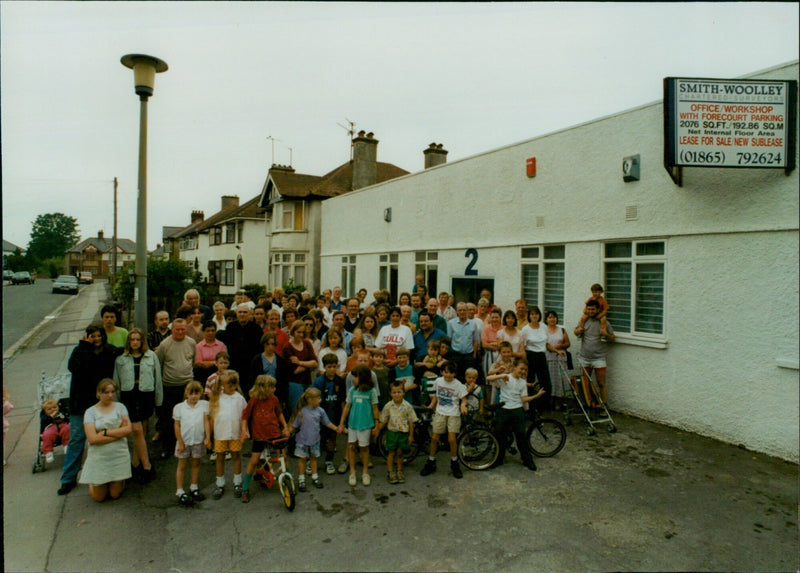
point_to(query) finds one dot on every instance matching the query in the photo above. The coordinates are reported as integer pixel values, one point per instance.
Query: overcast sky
(474, 77)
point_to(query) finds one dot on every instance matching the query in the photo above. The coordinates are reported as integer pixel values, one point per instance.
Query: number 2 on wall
(472, 254)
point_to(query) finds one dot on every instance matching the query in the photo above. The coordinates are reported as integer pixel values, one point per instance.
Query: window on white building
(387, 273)
(349, 275)
(542, 277)
(290, 216)
(240, 232)
(634, 286)
(221, 273)
(216, 236)
(288, 267)
(426, 263)
(230, 232)
(188, 244)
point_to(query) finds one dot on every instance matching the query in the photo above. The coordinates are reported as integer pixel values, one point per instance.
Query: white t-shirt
(512, 391)
(192, 429)
(448, 395)
(228, 421)
(339, 353)
(393, 338)
(535, 338)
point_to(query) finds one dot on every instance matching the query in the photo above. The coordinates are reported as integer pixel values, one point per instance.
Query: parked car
(7, 275)
(85, 277)
(22, 277)
(66, 283)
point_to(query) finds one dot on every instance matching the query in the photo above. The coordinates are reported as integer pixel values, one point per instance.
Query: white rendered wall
(728, 367)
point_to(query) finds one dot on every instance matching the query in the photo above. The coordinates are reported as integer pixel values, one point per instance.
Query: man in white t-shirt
(393, 336)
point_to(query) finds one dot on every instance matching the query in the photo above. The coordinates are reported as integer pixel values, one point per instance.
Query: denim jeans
(74, 456)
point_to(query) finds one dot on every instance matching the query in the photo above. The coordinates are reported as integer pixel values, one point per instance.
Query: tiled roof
(249, 210)
(104, 245)
(340, 180)
(9, 247)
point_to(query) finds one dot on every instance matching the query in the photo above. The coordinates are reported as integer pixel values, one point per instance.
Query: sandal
(185, 499)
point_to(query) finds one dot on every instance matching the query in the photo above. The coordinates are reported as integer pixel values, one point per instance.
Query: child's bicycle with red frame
(272, 468)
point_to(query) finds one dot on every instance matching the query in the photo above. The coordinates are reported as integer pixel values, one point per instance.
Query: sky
(474, 77)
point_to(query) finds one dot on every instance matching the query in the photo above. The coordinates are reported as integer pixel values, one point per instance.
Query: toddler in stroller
(56, 426)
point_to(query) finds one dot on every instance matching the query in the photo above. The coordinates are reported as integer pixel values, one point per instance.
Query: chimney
(100, 234)
(197, 216)
(283, 168)
(365, 160)
(229, 201)
(435, 155)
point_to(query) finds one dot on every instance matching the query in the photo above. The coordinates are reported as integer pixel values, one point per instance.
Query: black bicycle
(477, 446)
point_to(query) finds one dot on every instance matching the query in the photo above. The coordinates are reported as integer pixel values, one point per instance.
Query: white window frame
(230, 233)
(637, 261)
(424, 262)
(386, 263)
(188, 244)
(286, 265)
(550, 264)
(290, 207)
(349, 275)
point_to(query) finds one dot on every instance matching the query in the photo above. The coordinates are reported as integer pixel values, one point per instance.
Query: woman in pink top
(206, 351)
(489, 341)
(510, 334)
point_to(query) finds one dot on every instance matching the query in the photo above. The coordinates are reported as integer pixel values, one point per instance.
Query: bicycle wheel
(286, 485)
(478, 449)
(546, 437)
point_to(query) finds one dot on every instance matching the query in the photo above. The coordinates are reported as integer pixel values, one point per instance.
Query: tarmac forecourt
(646, 498)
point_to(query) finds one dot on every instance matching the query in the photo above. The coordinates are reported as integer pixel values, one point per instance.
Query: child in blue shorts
(307, 419)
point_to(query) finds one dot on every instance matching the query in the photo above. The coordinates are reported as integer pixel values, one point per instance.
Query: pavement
(646, 498)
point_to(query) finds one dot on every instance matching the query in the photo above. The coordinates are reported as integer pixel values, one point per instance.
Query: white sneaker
(308, 469)
(213, 456)
(329, 469)
(49, 458)
(352, 480)
(228, 456)
(365, 479)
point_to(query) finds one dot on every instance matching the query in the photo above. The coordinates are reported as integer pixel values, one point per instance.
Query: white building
(229, 247)
(702, 279)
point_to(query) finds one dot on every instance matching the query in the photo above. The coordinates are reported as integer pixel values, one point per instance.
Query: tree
(52, 235)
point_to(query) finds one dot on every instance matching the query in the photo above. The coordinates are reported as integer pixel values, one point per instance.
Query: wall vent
(631, 212)
(539, 221)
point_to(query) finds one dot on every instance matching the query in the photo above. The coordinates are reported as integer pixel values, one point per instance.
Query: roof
(104, 245)
(9, 247)
(167, 231)
(249, 210)
(333, 183)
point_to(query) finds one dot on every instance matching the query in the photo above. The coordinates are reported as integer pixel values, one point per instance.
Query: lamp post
(144, 69)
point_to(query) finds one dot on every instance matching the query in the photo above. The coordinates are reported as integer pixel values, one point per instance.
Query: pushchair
(587, 395)
(54, 388)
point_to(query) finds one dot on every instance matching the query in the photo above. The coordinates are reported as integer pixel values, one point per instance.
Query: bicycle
(477, 446)
(268, 474)
(546, 437)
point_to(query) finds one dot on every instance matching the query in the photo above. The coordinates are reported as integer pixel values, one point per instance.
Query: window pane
(383, 258)
(383, 277)
(643, 249)
(298, 217)
(300, 275)
(285, 275)
(393, 258)
(649, 298)
(351, 287)
(530, 284)
(433, 256)
(433, 279)
(618, 295)
(618, 250)
(287, 216)
(554, 252)
(554, 287)
(299, 257)
(419, 256)
(530, 252)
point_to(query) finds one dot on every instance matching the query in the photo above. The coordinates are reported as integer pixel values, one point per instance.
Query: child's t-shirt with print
(360, 416)
(449, 396)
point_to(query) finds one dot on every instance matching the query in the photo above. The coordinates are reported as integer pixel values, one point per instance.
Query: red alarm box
(530, 166)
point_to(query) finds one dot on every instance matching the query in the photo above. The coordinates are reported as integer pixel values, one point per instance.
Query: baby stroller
(55, 388)
(587, 395)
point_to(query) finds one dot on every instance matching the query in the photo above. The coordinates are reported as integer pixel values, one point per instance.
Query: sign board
(729, 123)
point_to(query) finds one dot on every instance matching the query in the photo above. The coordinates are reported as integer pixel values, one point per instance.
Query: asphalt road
(25, 306)
(647, 498)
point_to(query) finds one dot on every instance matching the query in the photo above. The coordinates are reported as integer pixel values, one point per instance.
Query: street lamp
(144, 69)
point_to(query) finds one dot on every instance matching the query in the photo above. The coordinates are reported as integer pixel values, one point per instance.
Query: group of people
(312, 367)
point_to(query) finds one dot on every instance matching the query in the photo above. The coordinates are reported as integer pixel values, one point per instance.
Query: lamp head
(144, 69)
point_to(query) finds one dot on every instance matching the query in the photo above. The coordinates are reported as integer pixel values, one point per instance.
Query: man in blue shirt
(425, 334)
(465, 340)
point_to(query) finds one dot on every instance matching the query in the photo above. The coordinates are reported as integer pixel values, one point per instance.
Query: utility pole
(114, 240)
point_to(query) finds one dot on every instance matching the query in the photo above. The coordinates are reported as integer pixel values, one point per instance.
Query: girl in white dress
(108, 463)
